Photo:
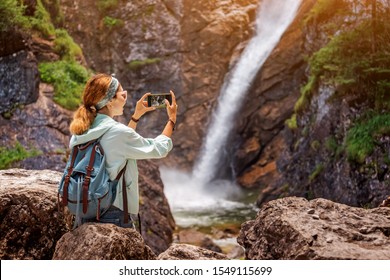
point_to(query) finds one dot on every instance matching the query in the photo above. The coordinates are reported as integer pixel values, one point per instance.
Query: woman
(103, 99)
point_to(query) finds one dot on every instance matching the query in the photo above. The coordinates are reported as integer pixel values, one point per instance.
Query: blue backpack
(85, 187)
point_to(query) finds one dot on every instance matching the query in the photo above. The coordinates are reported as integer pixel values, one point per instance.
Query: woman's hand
(172, 108)
(142, 107)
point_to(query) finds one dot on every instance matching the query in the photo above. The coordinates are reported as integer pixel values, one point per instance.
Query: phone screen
(158, 100)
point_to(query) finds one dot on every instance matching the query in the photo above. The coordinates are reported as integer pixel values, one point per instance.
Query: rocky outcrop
(282, 161)
(338, 178)
(269, 102)
(93, 241)
(190, 252)
(30, 223)
(19, 83)
(314, 161)
(45, 127)
(294, 228)
(156, 217)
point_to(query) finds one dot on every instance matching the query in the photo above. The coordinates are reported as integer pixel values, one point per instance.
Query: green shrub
(315, 145)
(317, 171)
(361, 137)
(112, 22)
(325, 9)
(68, 79)
(41, 21)
(292, 122)
(11, 15)
(306, 94)
(349, 63)
(333, 147)
(14, 154)
(65, 46)
(137, 64)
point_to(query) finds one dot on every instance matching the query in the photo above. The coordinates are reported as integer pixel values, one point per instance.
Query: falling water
(273, 19)
(199, 198)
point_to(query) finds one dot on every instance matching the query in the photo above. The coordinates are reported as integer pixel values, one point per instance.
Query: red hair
(94, 91)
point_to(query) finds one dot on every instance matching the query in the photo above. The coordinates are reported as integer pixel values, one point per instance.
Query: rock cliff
(294, 228)
(18, 71)
(270, 101)
(45, 127)
(310, 156)
(160, 45)
(320, 159)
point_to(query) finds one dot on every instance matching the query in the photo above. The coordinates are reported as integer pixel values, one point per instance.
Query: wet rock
(30, 222)
(19, 83)
(284, 230)
(94, 241)
(190, 252)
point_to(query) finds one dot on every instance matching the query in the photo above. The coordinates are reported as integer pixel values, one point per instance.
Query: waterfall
(198, 198)
(272, 20)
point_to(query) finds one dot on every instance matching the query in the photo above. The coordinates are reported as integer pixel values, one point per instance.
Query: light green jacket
(120, 144)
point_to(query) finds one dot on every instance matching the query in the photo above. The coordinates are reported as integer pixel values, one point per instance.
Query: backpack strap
(67, 177)
(124, 194)
(139, 223)
(87, 178)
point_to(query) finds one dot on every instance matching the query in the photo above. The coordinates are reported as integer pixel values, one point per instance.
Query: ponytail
(94, 91)
(82, 120)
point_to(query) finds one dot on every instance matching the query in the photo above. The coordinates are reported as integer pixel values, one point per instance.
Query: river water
(199, 198)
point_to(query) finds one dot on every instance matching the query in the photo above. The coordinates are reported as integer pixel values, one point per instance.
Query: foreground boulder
(30, 222)
(94, 241)
(190, 252)
(294, 228)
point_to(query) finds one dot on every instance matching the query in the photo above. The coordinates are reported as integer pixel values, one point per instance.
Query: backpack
(85, 187)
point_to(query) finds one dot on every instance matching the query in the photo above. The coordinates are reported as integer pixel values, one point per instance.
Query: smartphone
(158, 100)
